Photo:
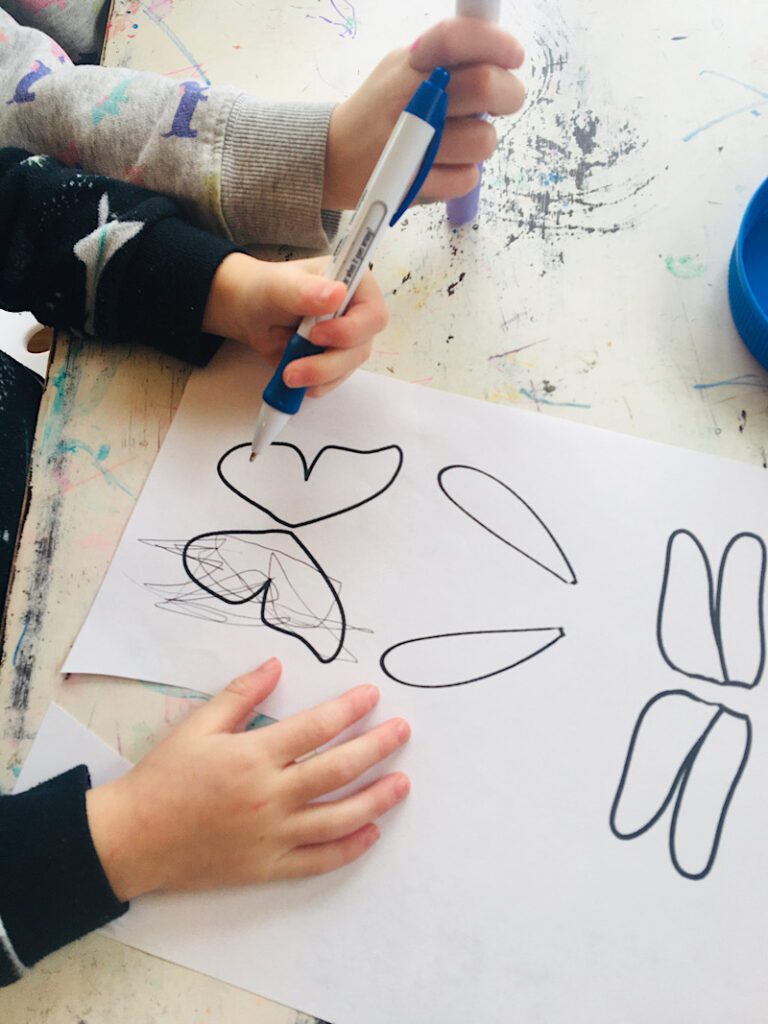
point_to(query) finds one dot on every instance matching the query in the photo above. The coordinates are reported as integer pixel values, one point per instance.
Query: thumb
(227, 711)
(301, 293)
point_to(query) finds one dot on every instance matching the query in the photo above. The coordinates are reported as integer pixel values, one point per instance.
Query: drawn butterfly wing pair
(455, 659)
(686, 753)
(269, 576)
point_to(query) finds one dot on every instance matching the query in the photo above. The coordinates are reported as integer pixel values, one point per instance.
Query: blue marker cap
(748, 277)
(430, 103)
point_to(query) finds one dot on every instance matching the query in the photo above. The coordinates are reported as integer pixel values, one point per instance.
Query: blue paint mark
(548, 401)
(746, 380)
(176, 691)
(747, 109)
(20, 641)
(175, 40)
(16, 770)
(259, 722)
(73, 446)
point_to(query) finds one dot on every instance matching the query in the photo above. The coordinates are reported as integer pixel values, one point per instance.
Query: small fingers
(310, 779)
(326, 369)
(484, 89)
(323, 389)
(327, 822)
(466, 141)
(235, 704)
(298, 735)
(458, 41)
(318, 860)
(449, 182)
(366, 315)
(302, 290)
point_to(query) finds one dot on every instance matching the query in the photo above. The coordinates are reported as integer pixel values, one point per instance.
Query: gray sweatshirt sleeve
(252, 171)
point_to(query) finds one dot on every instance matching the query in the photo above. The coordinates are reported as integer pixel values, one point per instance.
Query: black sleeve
(52, 886)
(104, 257)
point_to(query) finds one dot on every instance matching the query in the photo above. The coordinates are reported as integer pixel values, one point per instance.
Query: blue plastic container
(748, 277)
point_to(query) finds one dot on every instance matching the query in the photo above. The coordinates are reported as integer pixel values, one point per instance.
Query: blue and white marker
(396, 179)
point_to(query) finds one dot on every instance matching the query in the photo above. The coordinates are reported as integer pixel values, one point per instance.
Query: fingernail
(402, 786)
(292, 378)
(402, 730)
(372, 691)
(269, 664)
(415, 43)
(324, 293)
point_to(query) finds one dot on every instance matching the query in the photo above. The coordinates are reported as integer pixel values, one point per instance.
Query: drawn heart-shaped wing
(337, 480)
(691, 753)
(454, 659)
(503, 513)
(708, 632)
(297, 598)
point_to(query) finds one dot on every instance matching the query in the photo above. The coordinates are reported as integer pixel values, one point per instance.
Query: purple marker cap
(464, 209)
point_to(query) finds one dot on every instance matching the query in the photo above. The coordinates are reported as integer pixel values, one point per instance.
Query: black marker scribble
(307, 471)
(539, 645)
(226, 565)
(715, 607)
(565, 573)
(679, 783)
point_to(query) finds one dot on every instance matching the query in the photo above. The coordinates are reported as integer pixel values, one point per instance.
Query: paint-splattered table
(593, 287)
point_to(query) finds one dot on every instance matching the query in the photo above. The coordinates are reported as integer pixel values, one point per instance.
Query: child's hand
(478, 55)
(213, 805)
(261, 303)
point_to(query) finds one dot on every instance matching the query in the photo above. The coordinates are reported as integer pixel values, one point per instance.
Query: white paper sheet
(585, 840)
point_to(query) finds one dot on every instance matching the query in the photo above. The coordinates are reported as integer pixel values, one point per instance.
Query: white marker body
(488, 10)
(391, 178)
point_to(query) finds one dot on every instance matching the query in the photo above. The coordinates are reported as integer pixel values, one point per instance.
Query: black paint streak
(680, 782)
(476, 632)
(455, 284)
(473, 469)
(714, 598)
(307, 472)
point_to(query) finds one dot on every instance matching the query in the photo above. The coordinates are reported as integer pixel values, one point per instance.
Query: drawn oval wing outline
(739, 615)
(493, 501)
(234, 463)
(501, 649)
(727, 744)
(668, 729)
(685, 630)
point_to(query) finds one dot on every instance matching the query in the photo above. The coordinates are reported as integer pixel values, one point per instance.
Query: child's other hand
(213, 805)
(479, 55)
(261, 303)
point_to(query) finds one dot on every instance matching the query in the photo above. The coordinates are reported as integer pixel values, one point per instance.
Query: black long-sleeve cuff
(53, 888)
(159, 294)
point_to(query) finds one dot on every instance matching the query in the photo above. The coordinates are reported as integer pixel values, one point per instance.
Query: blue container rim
(758, 205)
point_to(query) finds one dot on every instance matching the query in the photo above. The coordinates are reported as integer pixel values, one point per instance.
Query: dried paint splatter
(564, 167)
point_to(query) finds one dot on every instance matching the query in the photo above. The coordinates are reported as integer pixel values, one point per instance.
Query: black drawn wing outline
(264, 589)
(307, 472)
(503, 540)
(680, 782)
(473, 632)
(714, 603)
